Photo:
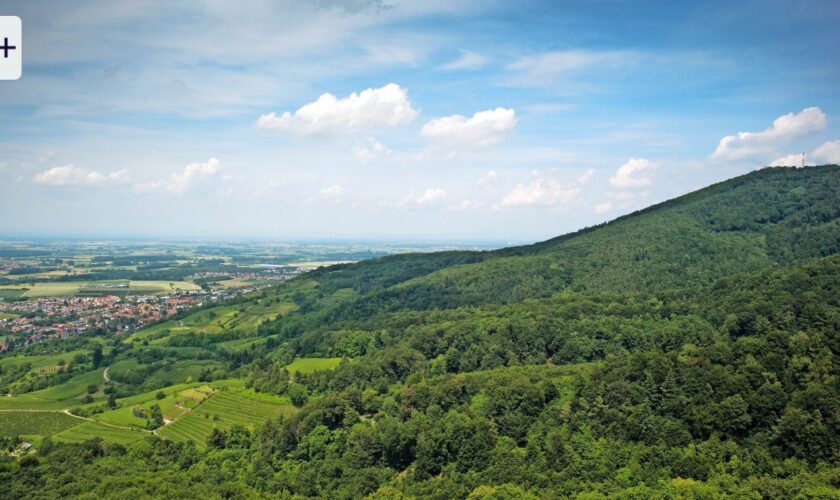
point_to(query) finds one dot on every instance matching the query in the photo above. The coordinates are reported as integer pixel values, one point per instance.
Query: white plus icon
(11, 34)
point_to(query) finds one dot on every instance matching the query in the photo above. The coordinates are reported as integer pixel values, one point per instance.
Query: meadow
(311, 365)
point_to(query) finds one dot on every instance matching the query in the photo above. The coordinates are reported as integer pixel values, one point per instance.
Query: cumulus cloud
(545, 192)
(485, 128)
(783, 130)
(489, 179)
(386, 106)
(793, 160)
(432, 195)
(467, 61)
(826, 153)
(181, 182)
(371, 150)
(631, 175)
(603, 207)
(466, 205)
(333, 191)
(71, 175)
(829, 152)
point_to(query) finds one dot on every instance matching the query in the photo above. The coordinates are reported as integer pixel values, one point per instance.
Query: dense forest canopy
(688, 350)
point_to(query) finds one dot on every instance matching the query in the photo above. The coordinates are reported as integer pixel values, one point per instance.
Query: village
(47, 318)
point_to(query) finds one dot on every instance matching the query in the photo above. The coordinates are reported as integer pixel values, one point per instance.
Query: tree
(96, 356)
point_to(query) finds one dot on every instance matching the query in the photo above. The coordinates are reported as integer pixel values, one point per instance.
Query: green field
(66, 395)
(43, 361)
(17, 423)
(240, 318)
(92, 430)
(12, 293)
(4, 315)
(177, 402)
(310, 365)
(90, 288)
(222, 410)
(176, 373)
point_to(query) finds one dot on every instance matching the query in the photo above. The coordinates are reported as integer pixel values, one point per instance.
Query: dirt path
(105, 374)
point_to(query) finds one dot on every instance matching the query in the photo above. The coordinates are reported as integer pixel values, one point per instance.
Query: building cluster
(47, 318)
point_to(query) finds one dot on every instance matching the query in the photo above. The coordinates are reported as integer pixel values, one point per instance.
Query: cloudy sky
(394, 119)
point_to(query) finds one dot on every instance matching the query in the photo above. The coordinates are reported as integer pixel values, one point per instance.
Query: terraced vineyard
(222, 410)
(33, 423)
(91, 430)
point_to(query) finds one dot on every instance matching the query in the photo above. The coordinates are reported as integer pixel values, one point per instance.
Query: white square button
(11, 48)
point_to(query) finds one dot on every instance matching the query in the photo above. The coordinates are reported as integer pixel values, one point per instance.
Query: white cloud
(793, 160)
(603, 207)
(386, 106)
(544, 69)
(631, 174)
(181, 182)
(466, 205)
(489, 179)
(71, 175)
(333, 191)
(826, 153)
(783, 130)
(829, 152)
(543, 192)
(584, 177)
(468, 61)
(485, 128)
(432, 195)
(371, 150)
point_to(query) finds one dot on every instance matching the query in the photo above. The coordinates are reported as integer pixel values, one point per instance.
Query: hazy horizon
(395, 120)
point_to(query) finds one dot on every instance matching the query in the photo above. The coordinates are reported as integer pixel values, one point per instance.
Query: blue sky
(444, 120)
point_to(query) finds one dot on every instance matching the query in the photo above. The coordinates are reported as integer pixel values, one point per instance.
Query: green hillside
(767, 218)
(688, 350)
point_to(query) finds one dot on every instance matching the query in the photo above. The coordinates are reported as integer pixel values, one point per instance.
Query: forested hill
(770, 217)
(689, 350)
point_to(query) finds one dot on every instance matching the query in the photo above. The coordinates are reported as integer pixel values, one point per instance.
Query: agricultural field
(66, 395)
(44, 361)
(310, 365)
(176, 402)
(91, 430)
(12, 293)
(222, 410)
(93, 288)
(4, 315)
(35, 423)
(240, 318)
